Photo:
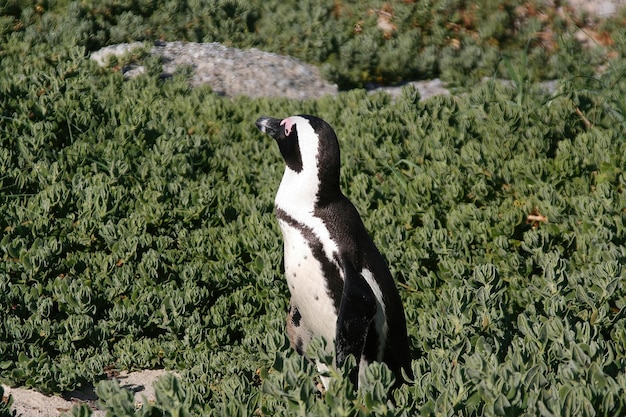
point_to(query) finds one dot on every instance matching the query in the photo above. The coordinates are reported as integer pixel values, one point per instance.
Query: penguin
(340, 285)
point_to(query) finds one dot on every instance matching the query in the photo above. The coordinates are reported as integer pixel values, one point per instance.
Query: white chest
(307, 284)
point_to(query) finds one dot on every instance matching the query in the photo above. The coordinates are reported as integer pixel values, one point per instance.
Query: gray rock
(231, 72)
(596, 8)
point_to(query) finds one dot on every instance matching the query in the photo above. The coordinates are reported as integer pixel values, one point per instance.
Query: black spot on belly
(317, 297)
(295, 316)
(300, 346)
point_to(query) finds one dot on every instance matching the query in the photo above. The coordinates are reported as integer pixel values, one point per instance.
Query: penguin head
(309, 147)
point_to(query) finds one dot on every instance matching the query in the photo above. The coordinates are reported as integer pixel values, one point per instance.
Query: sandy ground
(29, 403)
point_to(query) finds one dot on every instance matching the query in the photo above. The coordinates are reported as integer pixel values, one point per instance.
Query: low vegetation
(137, 224)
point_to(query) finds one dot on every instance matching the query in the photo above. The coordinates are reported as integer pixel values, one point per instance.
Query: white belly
(307, 286)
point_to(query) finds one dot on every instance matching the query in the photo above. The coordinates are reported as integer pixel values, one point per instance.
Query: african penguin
(341, 288)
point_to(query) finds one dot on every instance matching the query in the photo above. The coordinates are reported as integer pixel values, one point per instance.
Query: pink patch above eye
(288, 123)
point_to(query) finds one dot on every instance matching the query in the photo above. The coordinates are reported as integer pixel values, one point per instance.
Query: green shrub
(138, 233)
(355, 43)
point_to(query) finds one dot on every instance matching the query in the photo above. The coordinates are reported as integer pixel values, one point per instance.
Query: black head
(309, 147)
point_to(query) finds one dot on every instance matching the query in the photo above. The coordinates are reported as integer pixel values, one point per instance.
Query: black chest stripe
(330, 270)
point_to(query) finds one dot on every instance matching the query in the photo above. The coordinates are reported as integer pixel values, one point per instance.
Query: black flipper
(356, 312)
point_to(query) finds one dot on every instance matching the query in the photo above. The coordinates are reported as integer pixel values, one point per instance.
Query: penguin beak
(270, 126)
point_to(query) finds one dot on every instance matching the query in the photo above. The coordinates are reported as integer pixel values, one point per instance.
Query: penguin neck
(330, 191)
(301, 193)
